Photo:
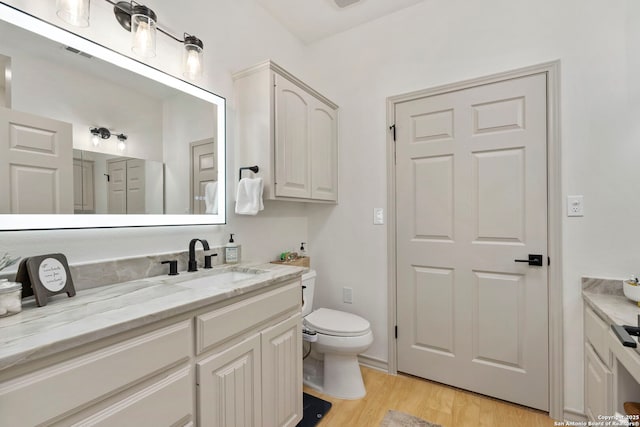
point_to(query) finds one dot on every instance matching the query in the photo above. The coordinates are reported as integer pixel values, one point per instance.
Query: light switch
(378, 216)
(575, 206)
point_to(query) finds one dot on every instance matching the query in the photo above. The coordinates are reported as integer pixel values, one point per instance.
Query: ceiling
(313, 20)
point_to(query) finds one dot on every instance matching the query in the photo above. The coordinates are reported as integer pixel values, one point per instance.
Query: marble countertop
(606, 298)
(98, 313)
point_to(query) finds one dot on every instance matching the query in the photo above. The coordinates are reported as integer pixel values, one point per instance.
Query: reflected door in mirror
(36, 174)
(203, 173)
(126, 193)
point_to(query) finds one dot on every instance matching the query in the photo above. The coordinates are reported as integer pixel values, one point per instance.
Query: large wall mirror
(92, 138)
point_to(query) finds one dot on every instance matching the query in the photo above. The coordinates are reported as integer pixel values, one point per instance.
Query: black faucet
(193, 264)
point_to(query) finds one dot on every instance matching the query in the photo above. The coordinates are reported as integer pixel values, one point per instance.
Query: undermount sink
(226, 280)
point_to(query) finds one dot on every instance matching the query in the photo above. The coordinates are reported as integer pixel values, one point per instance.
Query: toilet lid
(337, 323)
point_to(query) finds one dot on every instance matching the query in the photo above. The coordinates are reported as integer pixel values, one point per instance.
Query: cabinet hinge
(396, 331)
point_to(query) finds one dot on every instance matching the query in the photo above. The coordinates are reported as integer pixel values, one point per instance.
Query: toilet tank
(309, 283)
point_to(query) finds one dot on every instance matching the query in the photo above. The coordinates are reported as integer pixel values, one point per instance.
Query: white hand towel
(211, 198)
(249, 197)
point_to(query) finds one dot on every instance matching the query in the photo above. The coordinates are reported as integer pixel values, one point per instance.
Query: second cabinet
(290, 131)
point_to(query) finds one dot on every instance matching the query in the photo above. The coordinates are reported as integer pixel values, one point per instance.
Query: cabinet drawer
(595, 332)
(219, 325)
(168, 402)
(59, 389)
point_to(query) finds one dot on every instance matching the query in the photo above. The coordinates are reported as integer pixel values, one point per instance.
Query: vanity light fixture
(74, 12)
(100, 133)
(142, 22)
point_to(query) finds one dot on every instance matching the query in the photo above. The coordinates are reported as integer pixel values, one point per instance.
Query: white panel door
(117, 185)
(36, 167)
(229, 387)
(292, 148)
(324, 152)
(136, 187)
(471, 199)
(282, 374)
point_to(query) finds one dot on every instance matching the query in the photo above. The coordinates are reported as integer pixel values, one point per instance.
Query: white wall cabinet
(290, 131)
(237, 363)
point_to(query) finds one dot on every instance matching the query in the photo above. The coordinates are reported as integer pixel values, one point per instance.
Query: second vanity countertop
(606, 298)
(93, 314)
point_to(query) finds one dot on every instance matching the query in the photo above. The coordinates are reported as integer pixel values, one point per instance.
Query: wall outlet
(575, 206)
(347, 295)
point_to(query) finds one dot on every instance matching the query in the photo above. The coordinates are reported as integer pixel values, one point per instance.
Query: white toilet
(332, 367)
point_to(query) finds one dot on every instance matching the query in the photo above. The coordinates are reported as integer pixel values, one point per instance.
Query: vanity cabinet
(598, 377)
(256, 379)
(289, 131)
(234, 363)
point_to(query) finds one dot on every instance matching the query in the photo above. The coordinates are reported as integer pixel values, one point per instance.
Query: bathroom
(427, 44)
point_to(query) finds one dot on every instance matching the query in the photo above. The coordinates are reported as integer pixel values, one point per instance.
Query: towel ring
(253, 169)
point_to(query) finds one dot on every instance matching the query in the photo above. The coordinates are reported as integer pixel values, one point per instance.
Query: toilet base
(337, 376)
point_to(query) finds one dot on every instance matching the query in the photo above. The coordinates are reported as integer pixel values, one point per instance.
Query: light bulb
(74, 12)
(143, 30)
(192, 62)
(193, 66)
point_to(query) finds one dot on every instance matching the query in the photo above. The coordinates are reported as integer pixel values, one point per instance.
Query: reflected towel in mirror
(211, 198)
(249, 197)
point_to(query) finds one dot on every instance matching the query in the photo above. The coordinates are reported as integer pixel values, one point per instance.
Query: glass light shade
(192, 64)
(95, 139)
(74, 12)
(122, 145)
(143, 32)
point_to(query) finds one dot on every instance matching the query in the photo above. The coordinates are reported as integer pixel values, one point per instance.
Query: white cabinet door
(324, 156)
(228, 386)
(292, 147)
(282, 373)
(598, 385)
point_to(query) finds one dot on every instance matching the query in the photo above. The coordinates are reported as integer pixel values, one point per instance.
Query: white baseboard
(374, 363)
(574, 415)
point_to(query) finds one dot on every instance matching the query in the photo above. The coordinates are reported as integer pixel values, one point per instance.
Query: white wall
(439, 42)
(237, 34)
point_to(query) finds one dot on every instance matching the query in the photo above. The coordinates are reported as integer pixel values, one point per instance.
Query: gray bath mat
(400, 419)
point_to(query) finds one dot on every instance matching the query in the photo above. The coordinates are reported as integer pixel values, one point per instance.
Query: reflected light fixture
(74, 12)
(100, 133)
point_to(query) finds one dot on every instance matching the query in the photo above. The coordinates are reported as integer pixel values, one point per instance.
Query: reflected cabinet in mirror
(91, 138)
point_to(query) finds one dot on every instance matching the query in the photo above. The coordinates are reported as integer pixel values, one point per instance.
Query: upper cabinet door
(293, 151)
(324, 156)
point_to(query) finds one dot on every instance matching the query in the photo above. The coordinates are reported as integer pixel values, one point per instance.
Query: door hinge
(548, 260)
(392, 128)
(396, 331)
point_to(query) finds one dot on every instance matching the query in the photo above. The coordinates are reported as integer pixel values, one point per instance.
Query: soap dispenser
(302, 252)
(231, 252)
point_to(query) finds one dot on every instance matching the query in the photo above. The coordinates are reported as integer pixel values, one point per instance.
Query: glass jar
(10, 298)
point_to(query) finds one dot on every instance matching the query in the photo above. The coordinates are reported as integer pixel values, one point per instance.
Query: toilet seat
(337, 323)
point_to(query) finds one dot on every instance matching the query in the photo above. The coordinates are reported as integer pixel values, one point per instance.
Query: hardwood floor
(433, 402)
